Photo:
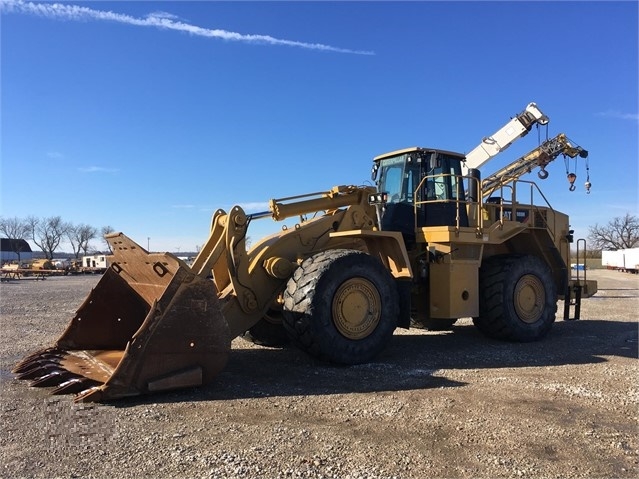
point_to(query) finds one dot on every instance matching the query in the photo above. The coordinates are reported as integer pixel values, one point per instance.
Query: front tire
(341, 306)
(517, 299)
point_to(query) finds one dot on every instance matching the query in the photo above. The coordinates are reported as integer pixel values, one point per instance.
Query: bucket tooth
(74, 386)
(54, 378)
(24, 367)
(38, 370)
(36, 363)
(39, 356)
(40, 352)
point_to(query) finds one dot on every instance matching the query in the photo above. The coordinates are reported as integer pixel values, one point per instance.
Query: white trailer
(621, 259)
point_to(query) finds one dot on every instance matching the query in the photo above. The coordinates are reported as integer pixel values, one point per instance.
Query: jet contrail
(157, 20)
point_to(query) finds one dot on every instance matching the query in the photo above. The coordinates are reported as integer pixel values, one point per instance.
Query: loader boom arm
(227, 230)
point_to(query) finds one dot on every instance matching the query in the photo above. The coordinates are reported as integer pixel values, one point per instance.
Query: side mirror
(374, 171)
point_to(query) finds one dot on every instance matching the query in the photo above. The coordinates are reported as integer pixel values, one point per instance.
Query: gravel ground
(451, 404)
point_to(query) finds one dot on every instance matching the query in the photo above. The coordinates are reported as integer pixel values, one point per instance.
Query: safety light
(377, 198)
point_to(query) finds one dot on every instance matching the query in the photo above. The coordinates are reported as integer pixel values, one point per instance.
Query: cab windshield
(399, 177)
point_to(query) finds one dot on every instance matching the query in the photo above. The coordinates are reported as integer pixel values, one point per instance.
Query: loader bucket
(150, 324)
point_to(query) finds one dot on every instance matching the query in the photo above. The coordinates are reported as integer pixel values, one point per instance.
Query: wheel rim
(530, 296)
(356, 308)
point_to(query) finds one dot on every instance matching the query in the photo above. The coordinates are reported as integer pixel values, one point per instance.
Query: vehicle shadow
(412, 361)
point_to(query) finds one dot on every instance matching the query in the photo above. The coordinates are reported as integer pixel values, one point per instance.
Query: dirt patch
(450, 404)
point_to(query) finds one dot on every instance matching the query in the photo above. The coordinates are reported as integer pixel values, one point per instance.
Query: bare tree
(15, 230)
(88, 233)
(620, 233)
(105, 230)
(32, 224)
(79, 237)
(47, 233)
(72, 235)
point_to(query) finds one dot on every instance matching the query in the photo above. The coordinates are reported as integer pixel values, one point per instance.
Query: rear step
(578, 287)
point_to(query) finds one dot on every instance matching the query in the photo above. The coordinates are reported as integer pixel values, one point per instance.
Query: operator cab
(419, 187)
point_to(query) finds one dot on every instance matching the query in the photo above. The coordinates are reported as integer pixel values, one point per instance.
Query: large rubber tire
(341, 306)
(517, 298)
(269, 331)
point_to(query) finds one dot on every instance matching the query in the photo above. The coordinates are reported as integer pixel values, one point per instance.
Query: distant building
(15, 250)
(96, 262)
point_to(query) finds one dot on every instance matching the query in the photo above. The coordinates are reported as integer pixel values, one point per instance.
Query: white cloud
(161, 14)
(620, 115)
(55, 155)
(98, 169)
(254, 207)
(160, 20)
(248, 207)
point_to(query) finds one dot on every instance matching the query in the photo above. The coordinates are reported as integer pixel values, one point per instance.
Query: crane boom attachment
(540, 157)
(516, 128)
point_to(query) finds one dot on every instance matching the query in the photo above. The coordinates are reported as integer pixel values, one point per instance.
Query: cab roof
(415, 149)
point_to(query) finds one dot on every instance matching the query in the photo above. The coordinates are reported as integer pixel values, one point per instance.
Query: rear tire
(517, 299)
(341, 306)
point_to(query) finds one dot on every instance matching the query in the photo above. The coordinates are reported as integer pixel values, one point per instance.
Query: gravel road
(450, 404)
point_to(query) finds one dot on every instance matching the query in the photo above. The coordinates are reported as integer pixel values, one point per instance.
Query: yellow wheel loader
(431, 243)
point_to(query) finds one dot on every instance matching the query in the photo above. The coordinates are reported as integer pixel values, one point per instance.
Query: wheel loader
(430, 243)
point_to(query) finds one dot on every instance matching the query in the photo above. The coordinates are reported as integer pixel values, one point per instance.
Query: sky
(149, 116)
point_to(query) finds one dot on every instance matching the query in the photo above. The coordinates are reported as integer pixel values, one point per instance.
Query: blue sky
(149, 116)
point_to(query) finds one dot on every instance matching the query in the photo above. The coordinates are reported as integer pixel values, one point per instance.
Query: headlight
(377, 198)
